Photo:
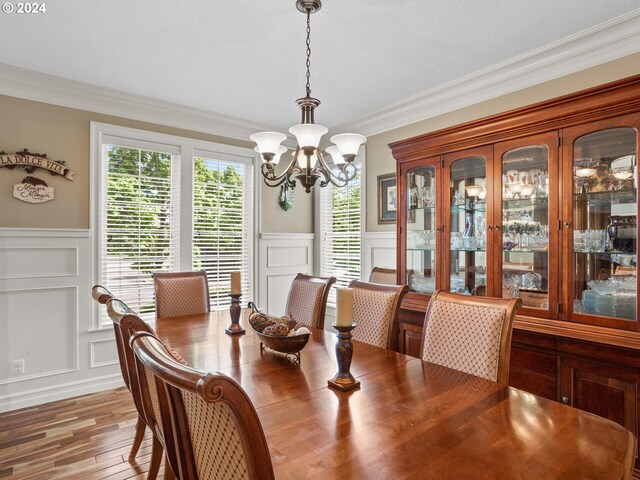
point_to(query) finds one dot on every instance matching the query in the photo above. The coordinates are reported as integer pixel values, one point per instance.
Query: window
(341, 231)
(138, 215)
(165, 203)
(221, 241)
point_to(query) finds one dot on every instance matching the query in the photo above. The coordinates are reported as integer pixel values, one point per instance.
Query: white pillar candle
(344, 307)
(236, 288)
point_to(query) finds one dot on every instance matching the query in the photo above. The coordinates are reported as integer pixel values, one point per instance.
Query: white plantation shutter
(141, 227)
(223, 225)
(138, 232)
(340, 223)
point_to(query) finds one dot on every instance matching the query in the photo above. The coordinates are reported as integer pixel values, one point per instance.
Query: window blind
(138, 222)
(223, 225)
(340, 223)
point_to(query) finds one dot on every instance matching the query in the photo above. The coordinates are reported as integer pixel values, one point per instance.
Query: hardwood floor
(86, 437)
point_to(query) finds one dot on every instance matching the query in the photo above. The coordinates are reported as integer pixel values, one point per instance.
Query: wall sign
(32, 161)
(33, 190)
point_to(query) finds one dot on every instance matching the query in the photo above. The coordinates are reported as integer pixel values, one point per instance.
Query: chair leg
(137, 440)
(156, 459)
(168, 473)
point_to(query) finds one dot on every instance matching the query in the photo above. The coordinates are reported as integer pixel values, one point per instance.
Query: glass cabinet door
(529, 180)
(604, 243)
(468, 225)
(422, 230)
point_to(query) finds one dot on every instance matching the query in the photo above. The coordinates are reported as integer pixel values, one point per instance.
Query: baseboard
(59, 392)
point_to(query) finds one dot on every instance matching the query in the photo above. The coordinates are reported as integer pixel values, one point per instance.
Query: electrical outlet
(17, 367)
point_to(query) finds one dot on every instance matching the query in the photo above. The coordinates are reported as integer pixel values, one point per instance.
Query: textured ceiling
(246, 58)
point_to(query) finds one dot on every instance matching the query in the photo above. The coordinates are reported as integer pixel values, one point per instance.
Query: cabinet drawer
(533, 383)
(524, 360)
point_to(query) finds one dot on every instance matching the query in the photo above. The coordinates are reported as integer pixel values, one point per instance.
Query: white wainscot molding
(45, 319)
(281, 257)
(378, 250)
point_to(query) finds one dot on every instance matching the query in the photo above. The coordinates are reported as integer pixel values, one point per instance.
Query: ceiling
(246, 58)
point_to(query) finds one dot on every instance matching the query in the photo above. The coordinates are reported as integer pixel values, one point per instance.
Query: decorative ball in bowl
(281, 334)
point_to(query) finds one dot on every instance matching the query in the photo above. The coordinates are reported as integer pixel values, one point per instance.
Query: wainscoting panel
(45, 319)
(20, 262)
(103, 352)
(34, 318)
(378, 250)
(281, 257)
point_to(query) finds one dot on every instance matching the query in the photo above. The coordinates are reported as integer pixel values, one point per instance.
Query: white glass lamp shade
(348, 143)
(308, 134)
(335, 155)
(268, 142)
(281, 150)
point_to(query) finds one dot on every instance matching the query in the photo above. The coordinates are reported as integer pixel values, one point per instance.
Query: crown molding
(600, 44)
(40, 87)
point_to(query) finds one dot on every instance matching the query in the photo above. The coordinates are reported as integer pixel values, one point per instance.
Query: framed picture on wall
(387, 198)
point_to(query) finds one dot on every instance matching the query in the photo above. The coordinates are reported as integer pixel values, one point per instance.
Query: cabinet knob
(565, 400)
(497, 227)
(489, 228)
(437, 229)
(567, 224)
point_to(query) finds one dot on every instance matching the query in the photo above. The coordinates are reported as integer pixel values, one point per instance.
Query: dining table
(409, 419)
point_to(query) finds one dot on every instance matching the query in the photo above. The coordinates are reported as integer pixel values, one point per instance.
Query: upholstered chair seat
(470, 334)
(375, 311)
(181, 293)
(383, 276)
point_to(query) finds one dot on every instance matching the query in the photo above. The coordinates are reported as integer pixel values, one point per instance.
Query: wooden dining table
(408, 420)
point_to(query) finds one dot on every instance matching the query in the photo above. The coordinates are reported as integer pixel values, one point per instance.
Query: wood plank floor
(86, 437)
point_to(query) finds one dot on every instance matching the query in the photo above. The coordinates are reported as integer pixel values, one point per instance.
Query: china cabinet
(539, 203)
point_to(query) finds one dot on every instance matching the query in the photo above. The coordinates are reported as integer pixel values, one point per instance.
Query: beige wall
(380, 160)
(63, 134)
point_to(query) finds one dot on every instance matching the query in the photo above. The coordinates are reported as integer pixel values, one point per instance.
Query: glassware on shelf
(456, 240)
(531, 281)
(422, 284)
(622, 231)
(604, 215)
(413, 194)
(597, 240)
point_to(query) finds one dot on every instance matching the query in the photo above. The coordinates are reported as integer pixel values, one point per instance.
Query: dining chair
(375, 311)
(126, 323)
(209, 422)
(181, 293)
(102, 295)
(383, 276)
(471, 334)
(307, 300)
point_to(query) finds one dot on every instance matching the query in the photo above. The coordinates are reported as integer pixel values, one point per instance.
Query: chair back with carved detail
(215, 429)
(181, 293)
(471, 334)
(307, 301)
(375, 311)
(383, 276)
(102, 295)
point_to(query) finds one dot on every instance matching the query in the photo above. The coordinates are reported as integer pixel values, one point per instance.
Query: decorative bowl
(290, 344)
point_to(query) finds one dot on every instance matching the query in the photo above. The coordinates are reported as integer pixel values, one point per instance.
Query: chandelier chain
(308, 86)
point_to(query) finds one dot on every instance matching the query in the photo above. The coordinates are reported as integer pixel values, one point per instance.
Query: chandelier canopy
(308, 164)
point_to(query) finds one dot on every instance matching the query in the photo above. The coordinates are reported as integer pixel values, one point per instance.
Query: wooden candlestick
(344, 353)
(234, 312)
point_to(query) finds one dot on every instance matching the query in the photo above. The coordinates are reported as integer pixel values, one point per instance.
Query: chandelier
(308, 164)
